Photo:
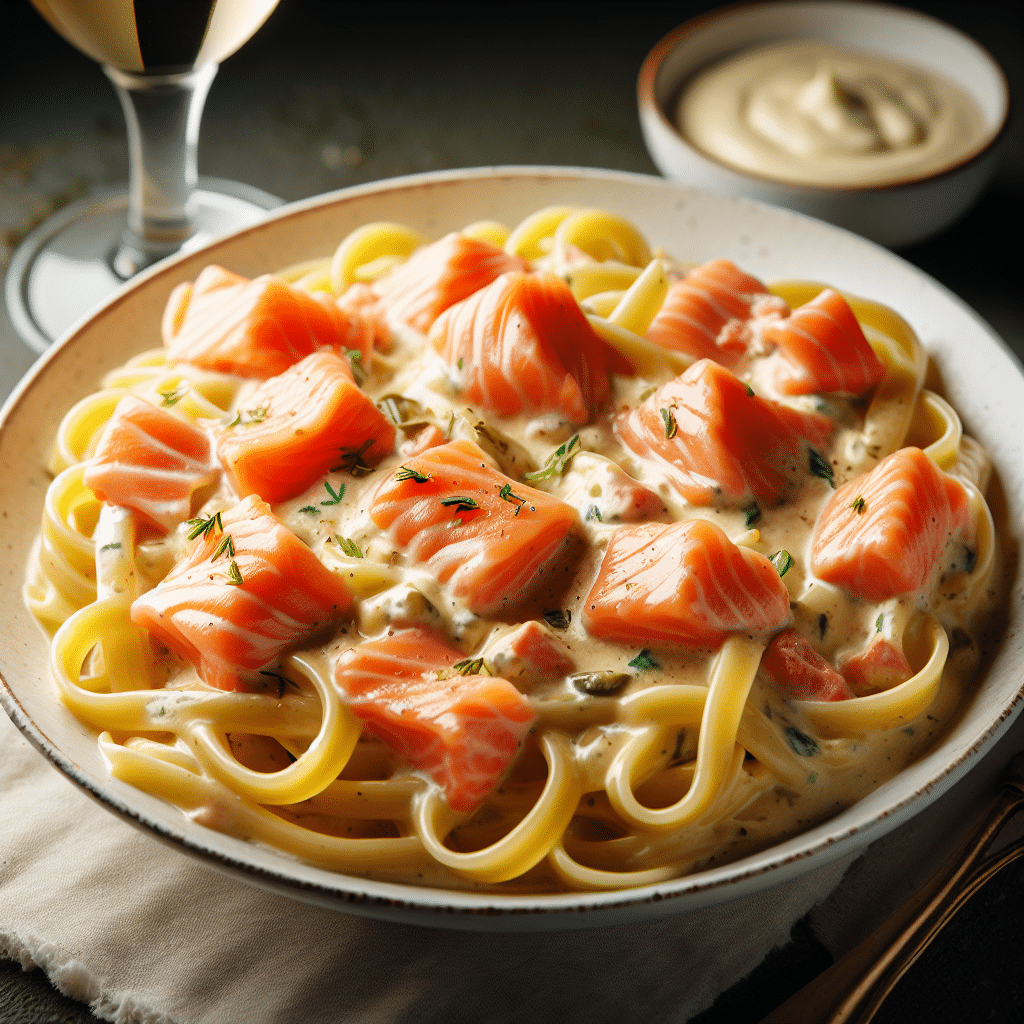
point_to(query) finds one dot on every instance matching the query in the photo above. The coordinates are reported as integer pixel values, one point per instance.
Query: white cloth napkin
(143, 933)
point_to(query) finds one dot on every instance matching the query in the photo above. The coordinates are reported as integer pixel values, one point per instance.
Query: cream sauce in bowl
(811, 113)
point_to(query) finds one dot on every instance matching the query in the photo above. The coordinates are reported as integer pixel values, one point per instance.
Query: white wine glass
(161, 58)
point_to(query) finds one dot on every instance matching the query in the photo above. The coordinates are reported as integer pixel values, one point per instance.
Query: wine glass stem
(162, 112)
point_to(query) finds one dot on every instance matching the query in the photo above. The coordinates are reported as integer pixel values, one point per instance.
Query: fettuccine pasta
(526, 559)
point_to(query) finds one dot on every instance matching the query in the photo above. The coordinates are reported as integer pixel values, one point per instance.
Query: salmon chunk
(462, 730)
(799, 672)
(715, 439)
(492, 538)
(298, 426)
(248, 591)
(824, 350)
(256, 328)
(883, 534)
(438, 275)
(714, 312)
(879, 666)
(682, 583)
(522, 344)
(150, 461)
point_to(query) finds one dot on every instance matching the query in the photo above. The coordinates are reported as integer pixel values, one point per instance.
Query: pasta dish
(526, 559)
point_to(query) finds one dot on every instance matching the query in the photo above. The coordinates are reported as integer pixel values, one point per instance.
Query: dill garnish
(670, 423)
(204, 527)
(644, 660)
(247, 417)
(820, 466)
(352, 460)
(350, 547)
(228, 545)
(802, 744)
(461, 503)
(557, 461)
(405, 473)
(471, 667)
(513, 499)
(336, 495)
(173, 395)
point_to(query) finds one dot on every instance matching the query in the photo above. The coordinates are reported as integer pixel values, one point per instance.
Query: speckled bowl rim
(658, 201)
(647, 100)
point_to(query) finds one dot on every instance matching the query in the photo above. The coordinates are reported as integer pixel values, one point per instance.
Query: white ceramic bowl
(769, 242)
(895, 215)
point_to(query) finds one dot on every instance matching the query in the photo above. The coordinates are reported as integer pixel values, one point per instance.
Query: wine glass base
(64, 269)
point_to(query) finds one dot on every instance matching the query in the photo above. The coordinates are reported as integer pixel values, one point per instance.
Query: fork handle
(852, 989)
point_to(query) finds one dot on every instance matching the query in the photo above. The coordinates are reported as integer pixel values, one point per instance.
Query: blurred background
(330, 94)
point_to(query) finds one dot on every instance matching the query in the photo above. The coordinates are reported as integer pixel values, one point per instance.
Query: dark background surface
(328, 95)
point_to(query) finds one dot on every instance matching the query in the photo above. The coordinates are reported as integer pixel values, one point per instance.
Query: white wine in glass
(161, 57)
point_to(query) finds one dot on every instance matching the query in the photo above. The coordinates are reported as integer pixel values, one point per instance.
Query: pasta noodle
(651, 740)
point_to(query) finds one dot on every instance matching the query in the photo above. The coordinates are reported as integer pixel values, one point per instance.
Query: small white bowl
(897, 214)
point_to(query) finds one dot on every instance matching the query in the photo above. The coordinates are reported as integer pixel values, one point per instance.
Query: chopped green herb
(820, 466)
(352, 459)
(355, 361)
(644, 660)
(879, 622)
(859, 505)
(173, 395)
(459, 363)
(204, 527)
(113, 546)
(228, 545)
(670, 422)
(594, 513)
(801, 743)
(471, 667)
(783, 562)
(559, 618)
(235, 573)
(557, 461)
(350, 547)
(461, 503)
(247, 417)
(506, 494)
(336, 495)
(405, 473)
(753, 512)
(311, 510)
(750, 391)
(644, 395)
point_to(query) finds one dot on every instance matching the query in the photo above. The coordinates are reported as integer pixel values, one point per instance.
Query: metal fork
(854, 987)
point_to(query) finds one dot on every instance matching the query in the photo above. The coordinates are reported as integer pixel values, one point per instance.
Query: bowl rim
(465, 909)
(650, 109)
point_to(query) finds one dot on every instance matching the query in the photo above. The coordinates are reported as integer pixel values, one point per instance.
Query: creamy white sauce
(810, 113)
